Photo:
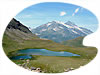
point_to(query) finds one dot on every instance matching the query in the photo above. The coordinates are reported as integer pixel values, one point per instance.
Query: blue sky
(42, 13)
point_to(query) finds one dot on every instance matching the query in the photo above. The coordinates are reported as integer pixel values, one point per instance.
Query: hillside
(14, 24)
(77, 42)
(18, 32)
(18, 37)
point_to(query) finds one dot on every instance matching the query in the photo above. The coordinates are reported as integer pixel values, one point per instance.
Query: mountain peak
(58, 22)
(55, 21)
(14, 24)
(59, 31)
(70, 23)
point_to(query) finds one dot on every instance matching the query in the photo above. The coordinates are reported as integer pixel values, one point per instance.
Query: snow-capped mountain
(59, 31)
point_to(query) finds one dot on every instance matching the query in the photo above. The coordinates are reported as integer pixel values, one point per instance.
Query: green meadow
(49, 64)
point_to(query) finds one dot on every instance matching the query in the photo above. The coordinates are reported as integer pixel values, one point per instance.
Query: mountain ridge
(59, 31)
(18, 32)
(14, 24)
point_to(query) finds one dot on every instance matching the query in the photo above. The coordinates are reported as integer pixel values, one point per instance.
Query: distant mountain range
(59, 31)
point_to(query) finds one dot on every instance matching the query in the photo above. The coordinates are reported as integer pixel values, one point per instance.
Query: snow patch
(64, 24)
(60, 27)
(56, 29)
(79, 28)
(68, 26)
(37, 34)
(74, 32)
(48, 24)
(43, 29)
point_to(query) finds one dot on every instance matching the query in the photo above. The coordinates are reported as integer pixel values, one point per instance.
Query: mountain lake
(42, 52)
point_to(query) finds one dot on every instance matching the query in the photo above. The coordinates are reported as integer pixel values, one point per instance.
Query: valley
(17, 37)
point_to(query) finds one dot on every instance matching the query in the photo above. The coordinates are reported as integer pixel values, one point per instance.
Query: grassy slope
(77, 42)
(11, 45)
(57, 64)
(51, 64)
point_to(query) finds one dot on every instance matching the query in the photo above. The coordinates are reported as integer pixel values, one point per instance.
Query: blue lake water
(42, 52)
(21, 57)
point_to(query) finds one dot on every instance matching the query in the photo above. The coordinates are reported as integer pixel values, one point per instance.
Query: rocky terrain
(59, 31)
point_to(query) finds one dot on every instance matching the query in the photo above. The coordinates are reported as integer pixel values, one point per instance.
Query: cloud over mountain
(62, 13)
(76, 11)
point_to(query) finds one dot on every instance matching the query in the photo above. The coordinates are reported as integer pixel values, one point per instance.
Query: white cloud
(73, 14)
(76, 11)
(62, 13)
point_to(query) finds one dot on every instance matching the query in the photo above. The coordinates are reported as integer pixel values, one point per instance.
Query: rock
(71, 68)
(19, 65)
(33, 68)
(38, 69)
(27, 60)
(67, 70)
